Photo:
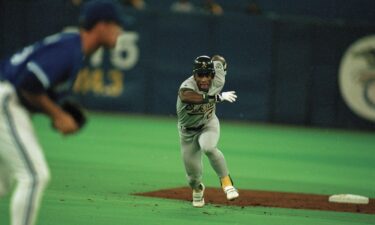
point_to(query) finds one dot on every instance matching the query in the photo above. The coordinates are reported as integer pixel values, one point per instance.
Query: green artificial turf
(95, 172)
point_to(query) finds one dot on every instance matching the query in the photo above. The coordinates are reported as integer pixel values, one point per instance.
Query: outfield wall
(285, 70)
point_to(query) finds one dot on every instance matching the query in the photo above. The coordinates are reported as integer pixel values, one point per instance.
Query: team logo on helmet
(357, 77)
(203, 65)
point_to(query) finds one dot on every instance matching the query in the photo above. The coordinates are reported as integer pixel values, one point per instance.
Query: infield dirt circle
(254, 198)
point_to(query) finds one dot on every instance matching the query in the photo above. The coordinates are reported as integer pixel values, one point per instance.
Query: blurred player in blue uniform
(33, 80)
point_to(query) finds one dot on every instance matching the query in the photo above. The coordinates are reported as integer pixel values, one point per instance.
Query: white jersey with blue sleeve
(49, 66)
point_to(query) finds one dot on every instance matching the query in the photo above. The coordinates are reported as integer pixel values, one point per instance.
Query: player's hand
(229, 96)
(65, 123)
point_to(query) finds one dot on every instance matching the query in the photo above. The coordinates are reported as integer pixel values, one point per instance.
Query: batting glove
(229, 96)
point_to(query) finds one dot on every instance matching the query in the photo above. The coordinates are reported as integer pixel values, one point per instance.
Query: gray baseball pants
(194, 144)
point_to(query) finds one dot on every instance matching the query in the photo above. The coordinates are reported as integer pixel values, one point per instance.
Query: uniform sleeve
(47, 68)
(219, 80)
(188, 84)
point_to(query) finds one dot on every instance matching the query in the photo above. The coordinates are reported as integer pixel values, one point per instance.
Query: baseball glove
(76, 111)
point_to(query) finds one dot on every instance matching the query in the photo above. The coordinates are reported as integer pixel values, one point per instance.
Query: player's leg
(208, 142)
(192, 158)
(5, 178)
(26, 162)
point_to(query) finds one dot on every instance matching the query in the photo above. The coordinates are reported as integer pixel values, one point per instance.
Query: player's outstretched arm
(192, 97)
(229, 96)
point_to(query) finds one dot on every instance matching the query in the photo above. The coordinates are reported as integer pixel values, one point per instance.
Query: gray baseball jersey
(194, 115)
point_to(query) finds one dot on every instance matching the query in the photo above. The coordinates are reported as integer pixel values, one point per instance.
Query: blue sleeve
(47, 68)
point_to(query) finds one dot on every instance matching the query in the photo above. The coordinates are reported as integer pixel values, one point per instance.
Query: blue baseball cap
(96, 11)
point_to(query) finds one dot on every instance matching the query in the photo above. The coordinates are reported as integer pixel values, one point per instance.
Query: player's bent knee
(44, 178)
(209, 149)
(39, 179)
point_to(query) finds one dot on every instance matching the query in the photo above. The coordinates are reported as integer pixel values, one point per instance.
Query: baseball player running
(199, 127)
(32, 80)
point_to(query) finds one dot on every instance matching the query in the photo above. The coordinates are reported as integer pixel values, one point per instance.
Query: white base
(349, 198)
